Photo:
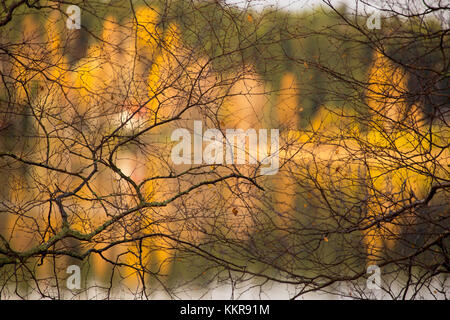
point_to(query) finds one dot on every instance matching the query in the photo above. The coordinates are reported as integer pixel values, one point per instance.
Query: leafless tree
(86, 123)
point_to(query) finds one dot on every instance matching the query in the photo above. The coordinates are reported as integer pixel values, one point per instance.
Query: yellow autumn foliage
(151, 250)
(147, 30)
(162, 74)
(287, 108)
(287, 114)
(397, 138)
(386, 90)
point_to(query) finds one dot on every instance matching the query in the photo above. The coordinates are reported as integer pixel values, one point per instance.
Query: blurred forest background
(85, 122)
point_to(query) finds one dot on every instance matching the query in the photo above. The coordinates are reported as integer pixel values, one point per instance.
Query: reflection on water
(439, 289)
